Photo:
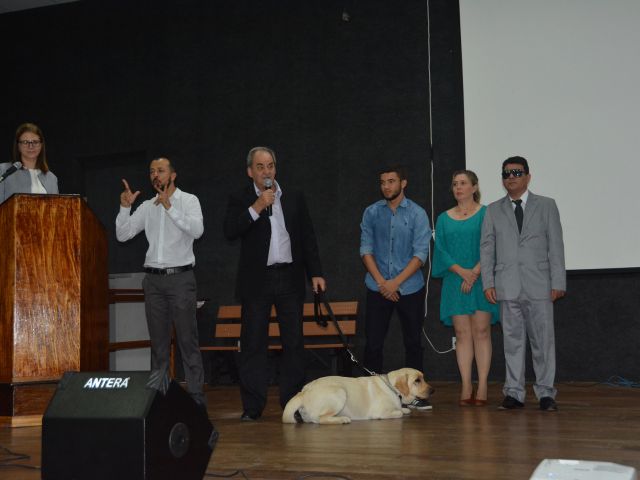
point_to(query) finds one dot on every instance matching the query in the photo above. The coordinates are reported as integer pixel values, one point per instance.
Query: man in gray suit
(522, 263)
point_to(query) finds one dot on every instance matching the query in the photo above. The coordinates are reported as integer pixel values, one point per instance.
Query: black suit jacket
(256, 235)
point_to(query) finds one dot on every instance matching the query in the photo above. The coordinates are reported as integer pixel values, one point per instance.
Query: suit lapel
(42, 180)
(507, 208)
(286, 209)
(529, 210)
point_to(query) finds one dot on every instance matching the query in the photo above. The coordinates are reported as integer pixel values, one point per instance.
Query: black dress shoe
(248, 416)
(548, 404)
(510, 403)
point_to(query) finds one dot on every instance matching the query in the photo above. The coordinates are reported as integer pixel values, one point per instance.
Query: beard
(159, 184)
(392, 196)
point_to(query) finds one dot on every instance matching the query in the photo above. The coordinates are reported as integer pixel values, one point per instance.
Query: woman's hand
(467, 275)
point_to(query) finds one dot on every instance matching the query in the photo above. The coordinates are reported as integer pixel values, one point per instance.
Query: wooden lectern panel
(54, 311)
(94, 295)
(7, 289)
(47, 295)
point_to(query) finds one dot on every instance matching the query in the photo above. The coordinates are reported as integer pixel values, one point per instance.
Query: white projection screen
(558, 82)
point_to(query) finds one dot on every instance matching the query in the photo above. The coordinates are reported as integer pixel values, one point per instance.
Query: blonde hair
(473, 178)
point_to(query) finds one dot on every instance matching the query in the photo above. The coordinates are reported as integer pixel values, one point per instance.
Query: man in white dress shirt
(171, 220)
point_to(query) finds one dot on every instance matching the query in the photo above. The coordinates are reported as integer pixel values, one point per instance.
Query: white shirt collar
(524, 197)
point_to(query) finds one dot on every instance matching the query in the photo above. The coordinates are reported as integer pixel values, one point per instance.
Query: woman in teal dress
(462, 304)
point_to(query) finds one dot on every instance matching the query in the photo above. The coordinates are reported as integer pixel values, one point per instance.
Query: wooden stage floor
(593, 423)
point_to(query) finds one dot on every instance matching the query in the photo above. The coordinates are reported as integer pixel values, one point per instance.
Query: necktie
(519, 214)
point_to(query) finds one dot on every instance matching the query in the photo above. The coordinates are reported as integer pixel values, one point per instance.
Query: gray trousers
(170, 301)
(524, 318)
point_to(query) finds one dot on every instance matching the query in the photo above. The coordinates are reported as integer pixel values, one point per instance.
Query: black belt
(276, 266)
(168, 271)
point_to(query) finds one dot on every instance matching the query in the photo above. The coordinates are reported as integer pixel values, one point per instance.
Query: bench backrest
(228, 325)
(340, 309)
(310, 329)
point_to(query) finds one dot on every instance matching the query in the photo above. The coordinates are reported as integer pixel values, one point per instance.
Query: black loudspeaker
(124, 426)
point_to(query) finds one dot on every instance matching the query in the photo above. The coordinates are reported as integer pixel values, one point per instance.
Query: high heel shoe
(467, 402)
(479, 403)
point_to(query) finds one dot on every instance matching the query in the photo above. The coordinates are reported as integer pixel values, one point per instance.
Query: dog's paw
(392, 414)
(406, 411)
(330, 420)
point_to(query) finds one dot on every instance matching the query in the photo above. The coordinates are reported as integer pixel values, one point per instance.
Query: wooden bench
(228, 326)
(227, 332)
(227, 335)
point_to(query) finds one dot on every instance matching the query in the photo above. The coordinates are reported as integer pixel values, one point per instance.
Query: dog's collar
(386, 381)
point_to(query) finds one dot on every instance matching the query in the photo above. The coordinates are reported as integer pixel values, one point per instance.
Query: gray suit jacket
(20, 182)
(531, 261)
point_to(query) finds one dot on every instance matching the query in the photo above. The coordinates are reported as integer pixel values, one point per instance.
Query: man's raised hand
(126, 197)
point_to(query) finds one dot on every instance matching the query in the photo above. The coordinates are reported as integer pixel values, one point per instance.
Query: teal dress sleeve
(442, 261)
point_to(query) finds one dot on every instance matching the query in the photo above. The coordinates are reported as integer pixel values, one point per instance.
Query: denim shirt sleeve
(366, 232)
(422, 235)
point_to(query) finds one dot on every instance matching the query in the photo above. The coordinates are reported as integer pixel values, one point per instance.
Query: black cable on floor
(226, 475)
(15, 457)
(322, 475)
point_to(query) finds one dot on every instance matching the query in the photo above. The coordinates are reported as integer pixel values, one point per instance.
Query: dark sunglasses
(515, 171)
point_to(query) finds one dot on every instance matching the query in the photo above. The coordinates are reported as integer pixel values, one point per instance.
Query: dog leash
(319, 300)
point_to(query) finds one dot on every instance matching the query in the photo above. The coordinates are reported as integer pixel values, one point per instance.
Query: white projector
(582, 470)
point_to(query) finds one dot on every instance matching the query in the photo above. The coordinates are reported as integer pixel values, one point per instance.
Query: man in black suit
(278, 247)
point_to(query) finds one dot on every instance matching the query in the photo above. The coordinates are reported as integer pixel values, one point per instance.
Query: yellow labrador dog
(333, 400)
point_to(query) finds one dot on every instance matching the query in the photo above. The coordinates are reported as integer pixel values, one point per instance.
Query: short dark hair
(520, 161)
(401, 170)
(172, 169)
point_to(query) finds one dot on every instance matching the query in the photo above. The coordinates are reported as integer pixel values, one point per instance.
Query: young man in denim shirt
(394, 244)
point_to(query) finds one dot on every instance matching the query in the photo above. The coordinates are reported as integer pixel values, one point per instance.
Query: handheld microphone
(10, 171)
(268, 183)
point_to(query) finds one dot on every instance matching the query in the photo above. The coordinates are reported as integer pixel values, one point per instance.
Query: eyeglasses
(515, 171)
(31, 143)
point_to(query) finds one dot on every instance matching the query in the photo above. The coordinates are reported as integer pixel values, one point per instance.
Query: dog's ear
(402, 384)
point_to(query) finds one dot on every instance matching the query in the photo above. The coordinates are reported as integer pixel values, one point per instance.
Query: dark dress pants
(410, 309)
(278, 290)
(170, 301)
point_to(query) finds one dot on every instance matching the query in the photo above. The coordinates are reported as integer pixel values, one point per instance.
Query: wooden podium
(54, 311)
